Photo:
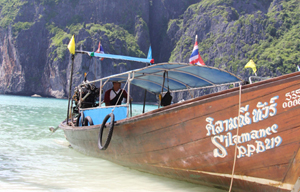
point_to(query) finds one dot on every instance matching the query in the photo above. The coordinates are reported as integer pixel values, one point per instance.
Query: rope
(237, 134)
(121, 95)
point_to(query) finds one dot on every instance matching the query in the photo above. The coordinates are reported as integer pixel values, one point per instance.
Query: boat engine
(89, 96)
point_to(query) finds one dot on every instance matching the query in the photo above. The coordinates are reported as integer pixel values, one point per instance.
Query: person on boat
(112, 96)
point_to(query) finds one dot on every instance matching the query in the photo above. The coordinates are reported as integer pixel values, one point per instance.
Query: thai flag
(100, 50)
(195, 57)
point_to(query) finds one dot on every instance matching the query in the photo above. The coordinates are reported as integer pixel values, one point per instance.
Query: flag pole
(70, 87)
(71, 47)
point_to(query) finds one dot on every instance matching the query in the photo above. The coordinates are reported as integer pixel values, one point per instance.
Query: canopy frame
(154, 70)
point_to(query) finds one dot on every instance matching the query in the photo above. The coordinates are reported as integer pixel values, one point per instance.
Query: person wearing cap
(112, 96)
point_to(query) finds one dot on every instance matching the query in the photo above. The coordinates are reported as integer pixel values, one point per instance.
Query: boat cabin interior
(160, 79)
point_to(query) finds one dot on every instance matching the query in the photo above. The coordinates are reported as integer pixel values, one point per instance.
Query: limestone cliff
(34, 35)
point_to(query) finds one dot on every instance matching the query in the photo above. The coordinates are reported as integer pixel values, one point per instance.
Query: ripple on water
(34, 159)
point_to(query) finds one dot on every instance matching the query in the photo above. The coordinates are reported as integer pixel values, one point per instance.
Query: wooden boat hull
(195, 140)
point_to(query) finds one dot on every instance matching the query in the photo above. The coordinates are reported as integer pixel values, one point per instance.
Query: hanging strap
(167, 79)
(163, 84)
(162, 89)
(164, 78)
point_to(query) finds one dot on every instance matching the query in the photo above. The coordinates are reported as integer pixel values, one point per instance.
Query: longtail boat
(245, 138)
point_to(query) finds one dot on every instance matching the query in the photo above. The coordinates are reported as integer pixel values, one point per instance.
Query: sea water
(34, 159)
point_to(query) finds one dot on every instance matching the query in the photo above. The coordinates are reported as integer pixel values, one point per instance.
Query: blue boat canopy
(179, 77)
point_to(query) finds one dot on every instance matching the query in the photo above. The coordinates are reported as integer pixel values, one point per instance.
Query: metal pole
(128, 94)
(70, 87)
(144, 104)
(100, 93)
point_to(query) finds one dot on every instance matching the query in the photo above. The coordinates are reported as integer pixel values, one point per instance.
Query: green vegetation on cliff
(281, 48)
(9, 11)
(19, 26)
(115, 34)
(230, 38)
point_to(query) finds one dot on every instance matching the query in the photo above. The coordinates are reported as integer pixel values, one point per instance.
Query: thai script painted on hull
(260, 113)
(292, 99)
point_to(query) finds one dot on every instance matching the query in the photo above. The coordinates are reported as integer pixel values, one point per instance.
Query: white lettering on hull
(260, 113)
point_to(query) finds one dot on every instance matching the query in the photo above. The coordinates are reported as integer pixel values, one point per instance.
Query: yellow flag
(71, 45)
(252, 65)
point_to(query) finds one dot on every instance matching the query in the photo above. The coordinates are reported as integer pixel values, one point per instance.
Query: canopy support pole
(144, 101)
(144, 104)
(100, 94)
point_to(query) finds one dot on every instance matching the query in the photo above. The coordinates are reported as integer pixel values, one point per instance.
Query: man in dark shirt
(112, 96)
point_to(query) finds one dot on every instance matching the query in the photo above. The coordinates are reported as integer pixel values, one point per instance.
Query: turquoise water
(34, 159)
